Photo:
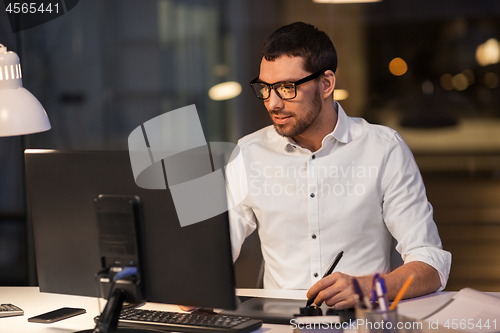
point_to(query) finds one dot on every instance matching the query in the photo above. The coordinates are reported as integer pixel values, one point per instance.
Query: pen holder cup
(376, 321)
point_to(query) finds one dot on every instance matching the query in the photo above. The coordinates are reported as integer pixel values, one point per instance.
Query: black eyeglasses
(284, 89)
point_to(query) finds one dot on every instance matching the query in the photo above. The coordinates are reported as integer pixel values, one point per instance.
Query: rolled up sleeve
(407, 213)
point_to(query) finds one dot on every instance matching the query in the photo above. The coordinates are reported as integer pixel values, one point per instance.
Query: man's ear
(328, 80)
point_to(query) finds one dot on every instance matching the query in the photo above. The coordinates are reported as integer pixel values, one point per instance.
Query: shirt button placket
(313, 206)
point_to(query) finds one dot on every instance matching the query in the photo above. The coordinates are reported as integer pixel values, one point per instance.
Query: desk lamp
(20, 112)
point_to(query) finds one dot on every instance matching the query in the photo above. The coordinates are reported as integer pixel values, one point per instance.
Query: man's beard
(305, 121)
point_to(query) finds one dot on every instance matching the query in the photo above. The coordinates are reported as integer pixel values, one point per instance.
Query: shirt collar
(340, 132)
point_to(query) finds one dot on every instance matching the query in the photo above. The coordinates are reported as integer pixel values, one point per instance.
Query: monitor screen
(190, 265)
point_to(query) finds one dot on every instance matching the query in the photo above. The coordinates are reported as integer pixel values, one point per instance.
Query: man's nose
(274, 101)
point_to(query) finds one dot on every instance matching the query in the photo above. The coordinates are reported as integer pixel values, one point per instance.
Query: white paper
(471, 311)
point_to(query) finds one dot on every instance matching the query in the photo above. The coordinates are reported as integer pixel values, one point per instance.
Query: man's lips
(281, 119)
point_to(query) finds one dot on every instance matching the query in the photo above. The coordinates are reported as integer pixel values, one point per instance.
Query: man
(318, 182)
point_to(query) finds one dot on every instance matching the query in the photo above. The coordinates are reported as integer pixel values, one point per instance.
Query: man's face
(292, 117)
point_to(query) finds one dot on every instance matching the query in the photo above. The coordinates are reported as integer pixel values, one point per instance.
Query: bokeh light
(460, 82)
(340, 94)
(224, 91)
(445, 81)
(427, 87)
(488, 53)
(398, 66)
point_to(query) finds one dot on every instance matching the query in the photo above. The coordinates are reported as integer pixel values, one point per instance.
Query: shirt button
(313, 157)
(313, 236)
(312, 195)
(316, 275)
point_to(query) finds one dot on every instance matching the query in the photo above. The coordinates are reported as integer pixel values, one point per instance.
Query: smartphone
(56, 315)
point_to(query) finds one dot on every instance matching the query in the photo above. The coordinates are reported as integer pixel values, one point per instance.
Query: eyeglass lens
(284, 90)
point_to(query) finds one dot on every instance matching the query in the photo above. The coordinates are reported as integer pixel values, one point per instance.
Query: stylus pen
(328, 272)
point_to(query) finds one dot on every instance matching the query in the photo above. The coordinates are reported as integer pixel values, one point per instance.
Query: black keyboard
(186, 322)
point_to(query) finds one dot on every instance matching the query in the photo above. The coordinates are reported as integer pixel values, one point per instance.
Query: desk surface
(34, 303)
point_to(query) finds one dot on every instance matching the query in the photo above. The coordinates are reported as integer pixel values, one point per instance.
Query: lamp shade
(20, 111)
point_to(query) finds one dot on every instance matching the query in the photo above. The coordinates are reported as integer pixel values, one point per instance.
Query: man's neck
(324, 124)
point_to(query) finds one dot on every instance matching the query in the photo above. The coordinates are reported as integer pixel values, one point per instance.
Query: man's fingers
(346, 304)
(326, 294)
(321, 285)
(339, 298)
(187, 308)
(335, 289)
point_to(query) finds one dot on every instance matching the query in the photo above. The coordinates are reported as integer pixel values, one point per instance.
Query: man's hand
(336, 290)
(188, 308)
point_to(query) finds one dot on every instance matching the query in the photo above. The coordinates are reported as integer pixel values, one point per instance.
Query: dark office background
(106, 67)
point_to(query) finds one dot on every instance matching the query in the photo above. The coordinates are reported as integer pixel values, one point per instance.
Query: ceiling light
(224, 91)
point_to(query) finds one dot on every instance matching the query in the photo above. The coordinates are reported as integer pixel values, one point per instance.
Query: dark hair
(304, 40)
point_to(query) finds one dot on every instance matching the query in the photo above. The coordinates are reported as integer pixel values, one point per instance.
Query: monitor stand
(108, 320)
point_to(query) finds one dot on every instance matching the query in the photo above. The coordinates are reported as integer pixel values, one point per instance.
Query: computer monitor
(189, 265)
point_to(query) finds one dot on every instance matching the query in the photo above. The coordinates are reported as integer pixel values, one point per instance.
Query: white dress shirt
(357, 193)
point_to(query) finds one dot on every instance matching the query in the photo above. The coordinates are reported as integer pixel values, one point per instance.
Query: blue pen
(382, 294)
(384, 290)
(358, 293)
